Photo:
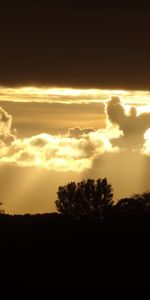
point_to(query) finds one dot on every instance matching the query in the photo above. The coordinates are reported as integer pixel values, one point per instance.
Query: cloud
(74, 151)
(66, 95)
(35, 118)
(81, 150)
(127, 171)
(55, 152)
(146, 146)
(62, 152)
(5, 122)
(132, 125)
(77, 149)
(77, 132)
(6, 132)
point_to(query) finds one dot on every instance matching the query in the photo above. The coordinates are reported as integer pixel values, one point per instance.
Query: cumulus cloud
(59, 152)
(5, 122)
(77, 149)
(132, 125)
(6, 132)
(146, 146)
(77, 132)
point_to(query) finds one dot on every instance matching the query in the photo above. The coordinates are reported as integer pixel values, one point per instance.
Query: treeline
(54, 250)
(89, 243)
(95, 198)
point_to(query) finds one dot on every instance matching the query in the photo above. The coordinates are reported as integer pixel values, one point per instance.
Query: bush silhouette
(136, 204)
(85, 198)
(1, 210)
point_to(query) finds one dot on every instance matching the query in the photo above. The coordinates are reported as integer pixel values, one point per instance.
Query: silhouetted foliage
(1, 210)
(54, 250)
(86, 198)
(137, 204)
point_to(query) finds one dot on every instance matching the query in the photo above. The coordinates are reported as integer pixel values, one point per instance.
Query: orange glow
(72, 95)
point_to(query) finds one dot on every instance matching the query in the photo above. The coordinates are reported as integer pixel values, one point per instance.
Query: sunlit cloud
(73, 151)
(78, 148)
(70, 95)
(55, 152)
(6, 132)
(59, 153)
(146, 147)
(132, 125)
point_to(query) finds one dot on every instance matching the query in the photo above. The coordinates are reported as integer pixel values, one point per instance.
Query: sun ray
(23, 183)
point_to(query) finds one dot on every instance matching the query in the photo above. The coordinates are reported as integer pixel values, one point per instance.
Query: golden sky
(50, 136)
(71, 95)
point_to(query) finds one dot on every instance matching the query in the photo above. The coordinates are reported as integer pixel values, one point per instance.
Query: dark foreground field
(53, 251)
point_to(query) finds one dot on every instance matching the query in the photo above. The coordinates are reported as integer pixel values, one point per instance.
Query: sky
(74, 99)
(51, 136)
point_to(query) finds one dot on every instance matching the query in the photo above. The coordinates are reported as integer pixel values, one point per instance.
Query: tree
(1, 210)
(88, 197)
(135, 205)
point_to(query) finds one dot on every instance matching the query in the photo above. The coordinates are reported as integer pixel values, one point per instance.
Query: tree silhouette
(84, 198)
(136, 204)
(1, 210)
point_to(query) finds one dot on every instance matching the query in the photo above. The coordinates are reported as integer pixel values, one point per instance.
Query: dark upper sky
(84, 45)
